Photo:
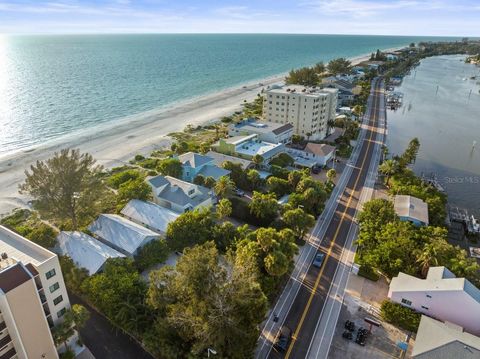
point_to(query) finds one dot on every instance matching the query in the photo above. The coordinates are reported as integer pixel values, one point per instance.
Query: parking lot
(361, 301)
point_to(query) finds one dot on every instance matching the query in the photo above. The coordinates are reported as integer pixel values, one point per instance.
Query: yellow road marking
(317, 281)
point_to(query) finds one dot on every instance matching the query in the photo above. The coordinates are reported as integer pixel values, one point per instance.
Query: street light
(211, 351)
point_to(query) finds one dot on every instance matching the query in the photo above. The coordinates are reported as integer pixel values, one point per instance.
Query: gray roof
(284, 128)
(220, 158)
(412, 207)
(438, 340)
(175, 191)
(85, 251)
(151, 214)
(121, 232)
(345, 84)
(319, 149)
(213, 171)
(194, 160)
(262, 126)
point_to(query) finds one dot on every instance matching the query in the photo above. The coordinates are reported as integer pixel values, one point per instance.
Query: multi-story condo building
(308, 109)
(33, 298)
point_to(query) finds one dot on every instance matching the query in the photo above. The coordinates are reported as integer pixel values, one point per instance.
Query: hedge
(400, 316)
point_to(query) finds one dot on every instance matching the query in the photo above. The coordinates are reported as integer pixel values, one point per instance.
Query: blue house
(411, 209)
(195, 164)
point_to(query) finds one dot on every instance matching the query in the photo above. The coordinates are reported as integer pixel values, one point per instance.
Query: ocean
(441, 108)
(53, 86)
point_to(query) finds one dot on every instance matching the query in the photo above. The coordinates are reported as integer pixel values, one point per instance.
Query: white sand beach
(117, 142)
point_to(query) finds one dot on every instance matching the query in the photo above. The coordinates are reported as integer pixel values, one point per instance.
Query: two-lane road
(307, 305)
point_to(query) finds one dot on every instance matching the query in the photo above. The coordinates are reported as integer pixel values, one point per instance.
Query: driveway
(104, 340)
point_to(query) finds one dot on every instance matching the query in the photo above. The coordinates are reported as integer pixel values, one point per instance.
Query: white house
(313, 155)
(438, 340)
(150, 215)
(411, 209)
(121, 234)
(441, 295)
(85, 251)
(267, 131)
(178, 195)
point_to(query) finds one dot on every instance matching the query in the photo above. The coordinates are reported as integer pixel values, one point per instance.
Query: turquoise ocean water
(51, 86)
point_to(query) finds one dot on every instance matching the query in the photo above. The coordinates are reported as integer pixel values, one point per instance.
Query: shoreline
(114, 143)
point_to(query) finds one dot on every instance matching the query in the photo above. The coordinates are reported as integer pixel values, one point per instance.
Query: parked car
(283, 339)
(316, 170)
(239, 192)
(318, 260)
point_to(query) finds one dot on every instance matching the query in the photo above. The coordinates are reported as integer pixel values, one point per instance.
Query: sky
(382, 17)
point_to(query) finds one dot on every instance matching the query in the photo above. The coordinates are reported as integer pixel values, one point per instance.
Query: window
(406, 301)
(429, 296)
(54, 287)
(50, 273)
(61, 312)
(426, 308)
(57, 300)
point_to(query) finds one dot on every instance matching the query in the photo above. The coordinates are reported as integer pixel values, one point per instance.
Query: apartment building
(441, 296)
(33, 298)
(307, 109)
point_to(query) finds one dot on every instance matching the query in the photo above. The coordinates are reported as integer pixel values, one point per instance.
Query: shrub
(282, 160)
(121, 177)
(368, 272)
(152, 253)
(400, 316)
(139, 158)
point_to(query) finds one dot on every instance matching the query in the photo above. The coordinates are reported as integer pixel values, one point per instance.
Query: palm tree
(389, 168)
(428, 257)
(257, 160)
(224, 187)
(331, 174)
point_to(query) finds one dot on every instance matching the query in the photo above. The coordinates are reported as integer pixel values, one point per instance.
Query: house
(391, 57)
(85, 251)
(345, 97)
(248, 147)
(179, 196)
(121, 234)
(411, 209)
(313, 155)
(438, 340)
(267, 131)
(441, 295)
(195, 164)
(219, 159)
(149, 215)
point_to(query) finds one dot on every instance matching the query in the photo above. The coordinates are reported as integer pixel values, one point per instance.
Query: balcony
(9, 354)
(5, 340)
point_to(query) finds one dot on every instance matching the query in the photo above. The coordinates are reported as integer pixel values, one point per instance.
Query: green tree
(170, 167)
(119, 293)
(410, 154)
(199, 180)
(319, 68)
(116, 179)
(306, 76)
(299, 221)
(389, 168)
(65, 187)
(264, 206)
(399, 315)
(209, 182)
(207, 305)
(73, 276)
(331, 174)
(224, 208)
(152, 253)
(224, 187)
(278, 185)
(134, 189)
(254, 179)
(339, 66)
(257, 160)
(193, 227)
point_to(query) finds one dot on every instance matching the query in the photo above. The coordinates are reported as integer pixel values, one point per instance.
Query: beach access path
(115, 143)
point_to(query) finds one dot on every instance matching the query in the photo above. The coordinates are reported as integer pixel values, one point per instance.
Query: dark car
(239, 192)
(316, 170)
(283, 339)
(318, 260)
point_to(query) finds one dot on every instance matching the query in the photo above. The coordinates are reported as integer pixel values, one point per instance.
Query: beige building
(33, 298)
(307, 109)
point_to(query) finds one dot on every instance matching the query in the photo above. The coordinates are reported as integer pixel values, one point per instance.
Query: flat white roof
(22, 249)
(252, 148)
(121, 232)
(86, 251)
(299, 90)
(151, 214)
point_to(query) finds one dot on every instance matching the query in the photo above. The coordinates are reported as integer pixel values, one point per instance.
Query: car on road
(283, 339)
(318, 260)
